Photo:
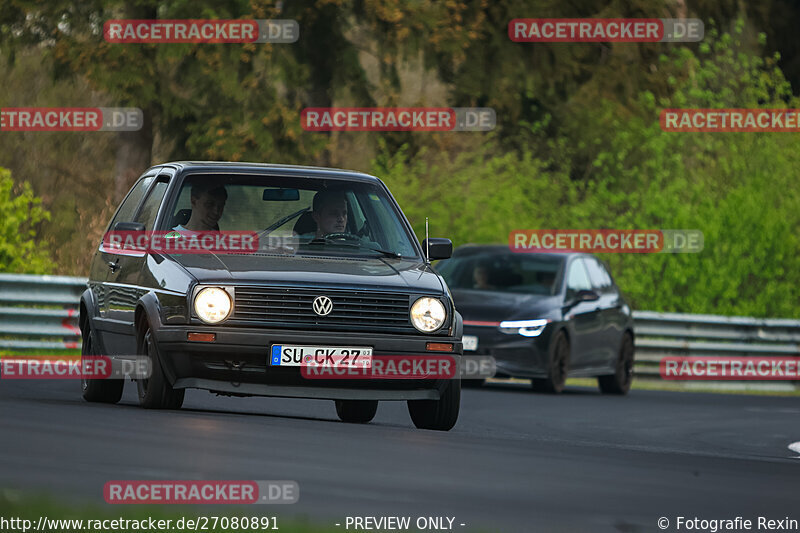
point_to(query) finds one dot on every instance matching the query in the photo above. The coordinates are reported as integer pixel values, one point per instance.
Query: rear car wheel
(356, 411)
(155, 392)
(557, 367)
(620, 381)
(98, 390)
(441, 414)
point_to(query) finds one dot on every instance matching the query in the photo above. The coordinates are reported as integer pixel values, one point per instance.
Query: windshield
(308, 216)
(533, 274)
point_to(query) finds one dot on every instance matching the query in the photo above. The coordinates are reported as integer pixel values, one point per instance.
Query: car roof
(269, 168)
(466, 250)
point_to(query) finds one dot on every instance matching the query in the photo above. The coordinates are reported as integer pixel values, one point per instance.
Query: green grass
(38, 352)
(718, 387)
(13, 505)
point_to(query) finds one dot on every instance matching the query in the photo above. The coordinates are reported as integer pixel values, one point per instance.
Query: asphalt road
(516, 461)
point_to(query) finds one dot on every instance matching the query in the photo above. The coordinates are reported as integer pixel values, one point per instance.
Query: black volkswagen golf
(337, 271)
(543, 316)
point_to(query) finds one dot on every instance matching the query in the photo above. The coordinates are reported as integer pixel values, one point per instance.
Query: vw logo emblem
(322, 305)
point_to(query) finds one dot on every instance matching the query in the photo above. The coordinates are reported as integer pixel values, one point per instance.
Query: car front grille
(353, 310)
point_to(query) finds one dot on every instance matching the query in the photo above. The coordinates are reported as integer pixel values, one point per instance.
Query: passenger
(208, 203)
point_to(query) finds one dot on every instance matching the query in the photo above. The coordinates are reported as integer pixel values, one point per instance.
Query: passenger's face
(481, 276)
(208, 210)
(332, 218)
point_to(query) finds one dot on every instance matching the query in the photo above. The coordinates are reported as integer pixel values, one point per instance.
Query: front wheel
(620, 381)
(356, 411)
(155, 392)
(557, 367)
(441, 414)
(98, 390)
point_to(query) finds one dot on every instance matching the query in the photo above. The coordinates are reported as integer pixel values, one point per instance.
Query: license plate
(339, 356)
(470, 343)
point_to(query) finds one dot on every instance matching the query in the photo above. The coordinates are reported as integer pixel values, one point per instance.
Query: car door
(584, 322)
(617, 313)
(609, 306)
(106, 265)
(124, 283)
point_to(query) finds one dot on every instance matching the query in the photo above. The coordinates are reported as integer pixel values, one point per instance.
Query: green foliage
(614, 167)
(578, 144)
(20, 213)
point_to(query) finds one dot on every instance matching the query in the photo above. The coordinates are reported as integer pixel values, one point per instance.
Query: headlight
(428, 314)
(212, 305)
(526, 328)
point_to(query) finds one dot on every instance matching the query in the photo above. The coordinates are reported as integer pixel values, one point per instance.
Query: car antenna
(427, 244)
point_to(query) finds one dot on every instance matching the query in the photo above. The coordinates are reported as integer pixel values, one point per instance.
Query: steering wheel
(344, 236)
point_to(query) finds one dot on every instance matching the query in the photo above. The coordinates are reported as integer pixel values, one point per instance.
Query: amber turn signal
(202, 337)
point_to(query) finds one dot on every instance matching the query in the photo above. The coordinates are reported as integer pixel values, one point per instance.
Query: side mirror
(586, 295)
(128, 226)
(437, 248)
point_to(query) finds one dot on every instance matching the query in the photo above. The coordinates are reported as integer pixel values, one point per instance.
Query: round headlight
(428, 314)
(212, 305)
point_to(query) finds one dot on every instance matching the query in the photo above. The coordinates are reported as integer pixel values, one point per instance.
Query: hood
(493, 306)
(373, 272)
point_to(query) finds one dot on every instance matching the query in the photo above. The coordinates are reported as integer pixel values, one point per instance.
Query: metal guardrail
(39, 312)
(674, 334)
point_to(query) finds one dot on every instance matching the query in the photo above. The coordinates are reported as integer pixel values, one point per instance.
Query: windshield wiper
(337, 242)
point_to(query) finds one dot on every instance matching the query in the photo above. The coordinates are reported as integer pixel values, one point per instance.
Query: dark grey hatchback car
(354, 280)
(543, 316)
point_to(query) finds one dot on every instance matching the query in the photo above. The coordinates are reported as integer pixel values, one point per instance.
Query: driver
(329, 212)
(481, 278)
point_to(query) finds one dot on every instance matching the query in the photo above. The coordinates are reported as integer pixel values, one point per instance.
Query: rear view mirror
(437, 248)
(281, 195)
(128, 226)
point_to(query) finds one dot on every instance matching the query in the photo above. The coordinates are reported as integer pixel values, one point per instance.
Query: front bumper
(515, 355)
(237, 363)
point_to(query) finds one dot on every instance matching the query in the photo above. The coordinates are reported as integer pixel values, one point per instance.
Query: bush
(20, 215)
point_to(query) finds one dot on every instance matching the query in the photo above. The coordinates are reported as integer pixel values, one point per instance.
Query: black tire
(620, 381)
(155, 392)
(557, 367)
(441, 414)
(472, 383)
(99, 390)
(356, 411)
